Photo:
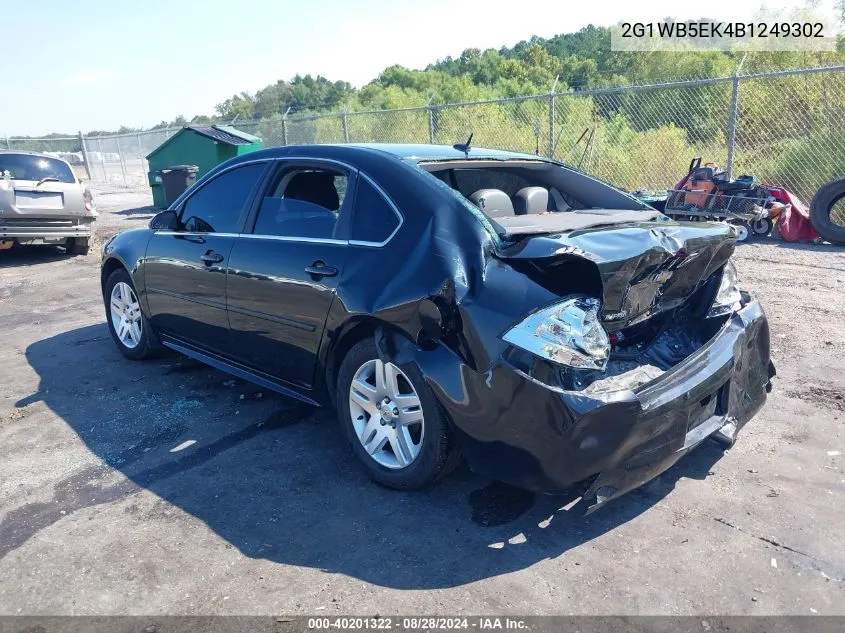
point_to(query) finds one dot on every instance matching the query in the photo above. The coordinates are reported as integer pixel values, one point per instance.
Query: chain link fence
(786, 128)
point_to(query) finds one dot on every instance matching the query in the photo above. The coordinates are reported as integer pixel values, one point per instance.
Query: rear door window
(36, 168)
(217, 206)
(303, 203)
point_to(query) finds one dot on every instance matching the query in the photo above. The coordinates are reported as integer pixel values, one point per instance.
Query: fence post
(120, 157)
(285, 126)
(9, 145)
(734, 114)
(102, 159)
(141, 156)
(345, 119)
(85, 159)
(429, 110)
(732, 125)
(552, 119)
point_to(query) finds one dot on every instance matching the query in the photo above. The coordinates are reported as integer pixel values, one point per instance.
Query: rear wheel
(392, 420)
(128, 327)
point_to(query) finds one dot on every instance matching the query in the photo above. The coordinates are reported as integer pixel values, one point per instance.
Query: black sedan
(454, 302)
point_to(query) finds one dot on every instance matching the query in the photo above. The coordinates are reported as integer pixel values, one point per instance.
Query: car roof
(419, 152)
(413, 153)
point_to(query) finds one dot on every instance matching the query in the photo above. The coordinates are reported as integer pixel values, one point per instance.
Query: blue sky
(97, 64)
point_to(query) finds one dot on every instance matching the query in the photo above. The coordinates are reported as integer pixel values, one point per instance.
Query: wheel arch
(348, 335)
(110, 265)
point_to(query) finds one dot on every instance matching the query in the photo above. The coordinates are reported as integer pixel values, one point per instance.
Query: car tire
(821, 209)
(79, 245)
(147, 344)
(429, 443)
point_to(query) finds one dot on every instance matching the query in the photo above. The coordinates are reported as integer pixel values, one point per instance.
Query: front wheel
(392, 420)
(128, 327)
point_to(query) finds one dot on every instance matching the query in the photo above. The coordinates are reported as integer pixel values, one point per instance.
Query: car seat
(494, 202)
(532, 200)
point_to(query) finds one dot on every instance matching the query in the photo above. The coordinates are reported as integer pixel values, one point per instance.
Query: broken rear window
(506, 190)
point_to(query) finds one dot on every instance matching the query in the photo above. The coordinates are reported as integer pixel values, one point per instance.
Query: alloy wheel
(126, 315)
(386, 414)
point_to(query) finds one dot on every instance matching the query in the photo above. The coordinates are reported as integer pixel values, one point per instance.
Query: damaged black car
(454, 303)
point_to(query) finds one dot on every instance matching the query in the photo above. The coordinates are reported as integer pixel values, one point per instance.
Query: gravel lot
(165, 487)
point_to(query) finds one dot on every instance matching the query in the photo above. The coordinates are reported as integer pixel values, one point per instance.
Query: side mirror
(165, 221)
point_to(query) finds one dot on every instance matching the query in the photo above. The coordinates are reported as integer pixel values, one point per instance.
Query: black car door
(185, 269)
(283, 276)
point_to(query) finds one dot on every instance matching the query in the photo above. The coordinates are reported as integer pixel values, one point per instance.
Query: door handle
(211, 258)
(319, 269)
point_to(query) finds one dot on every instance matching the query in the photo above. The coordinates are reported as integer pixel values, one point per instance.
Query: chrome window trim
(310, 240)
(290, 238)
(317, 159)
(253, 236)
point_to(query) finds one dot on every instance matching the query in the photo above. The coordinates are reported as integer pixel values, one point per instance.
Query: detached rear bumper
(516, 429)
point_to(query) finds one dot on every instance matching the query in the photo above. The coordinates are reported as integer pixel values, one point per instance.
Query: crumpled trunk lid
(645, 269)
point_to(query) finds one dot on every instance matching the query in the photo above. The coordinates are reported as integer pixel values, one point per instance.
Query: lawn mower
(706, 193)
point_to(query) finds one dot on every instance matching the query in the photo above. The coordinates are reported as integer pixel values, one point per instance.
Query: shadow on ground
(138, 213)
(29, 255)
(823, 247)
(274, 478)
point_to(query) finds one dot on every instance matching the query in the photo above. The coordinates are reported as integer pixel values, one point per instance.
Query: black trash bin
(177, 179)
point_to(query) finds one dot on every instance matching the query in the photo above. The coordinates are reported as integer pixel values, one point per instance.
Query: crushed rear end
(688, 357)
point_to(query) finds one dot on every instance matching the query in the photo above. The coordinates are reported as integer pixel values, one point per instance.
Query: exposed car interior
(526, 187)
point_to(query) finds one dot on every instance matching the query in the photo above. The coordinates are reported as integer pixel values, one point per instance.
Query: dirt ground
(165, 487)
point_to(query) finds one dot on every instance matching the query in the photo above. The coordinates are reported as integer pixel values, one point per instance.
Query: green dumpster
(205, 146)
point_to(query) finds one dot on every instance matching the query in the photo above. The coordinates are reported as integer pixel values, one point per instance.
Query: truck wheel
(829, 223)
(79, 245)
